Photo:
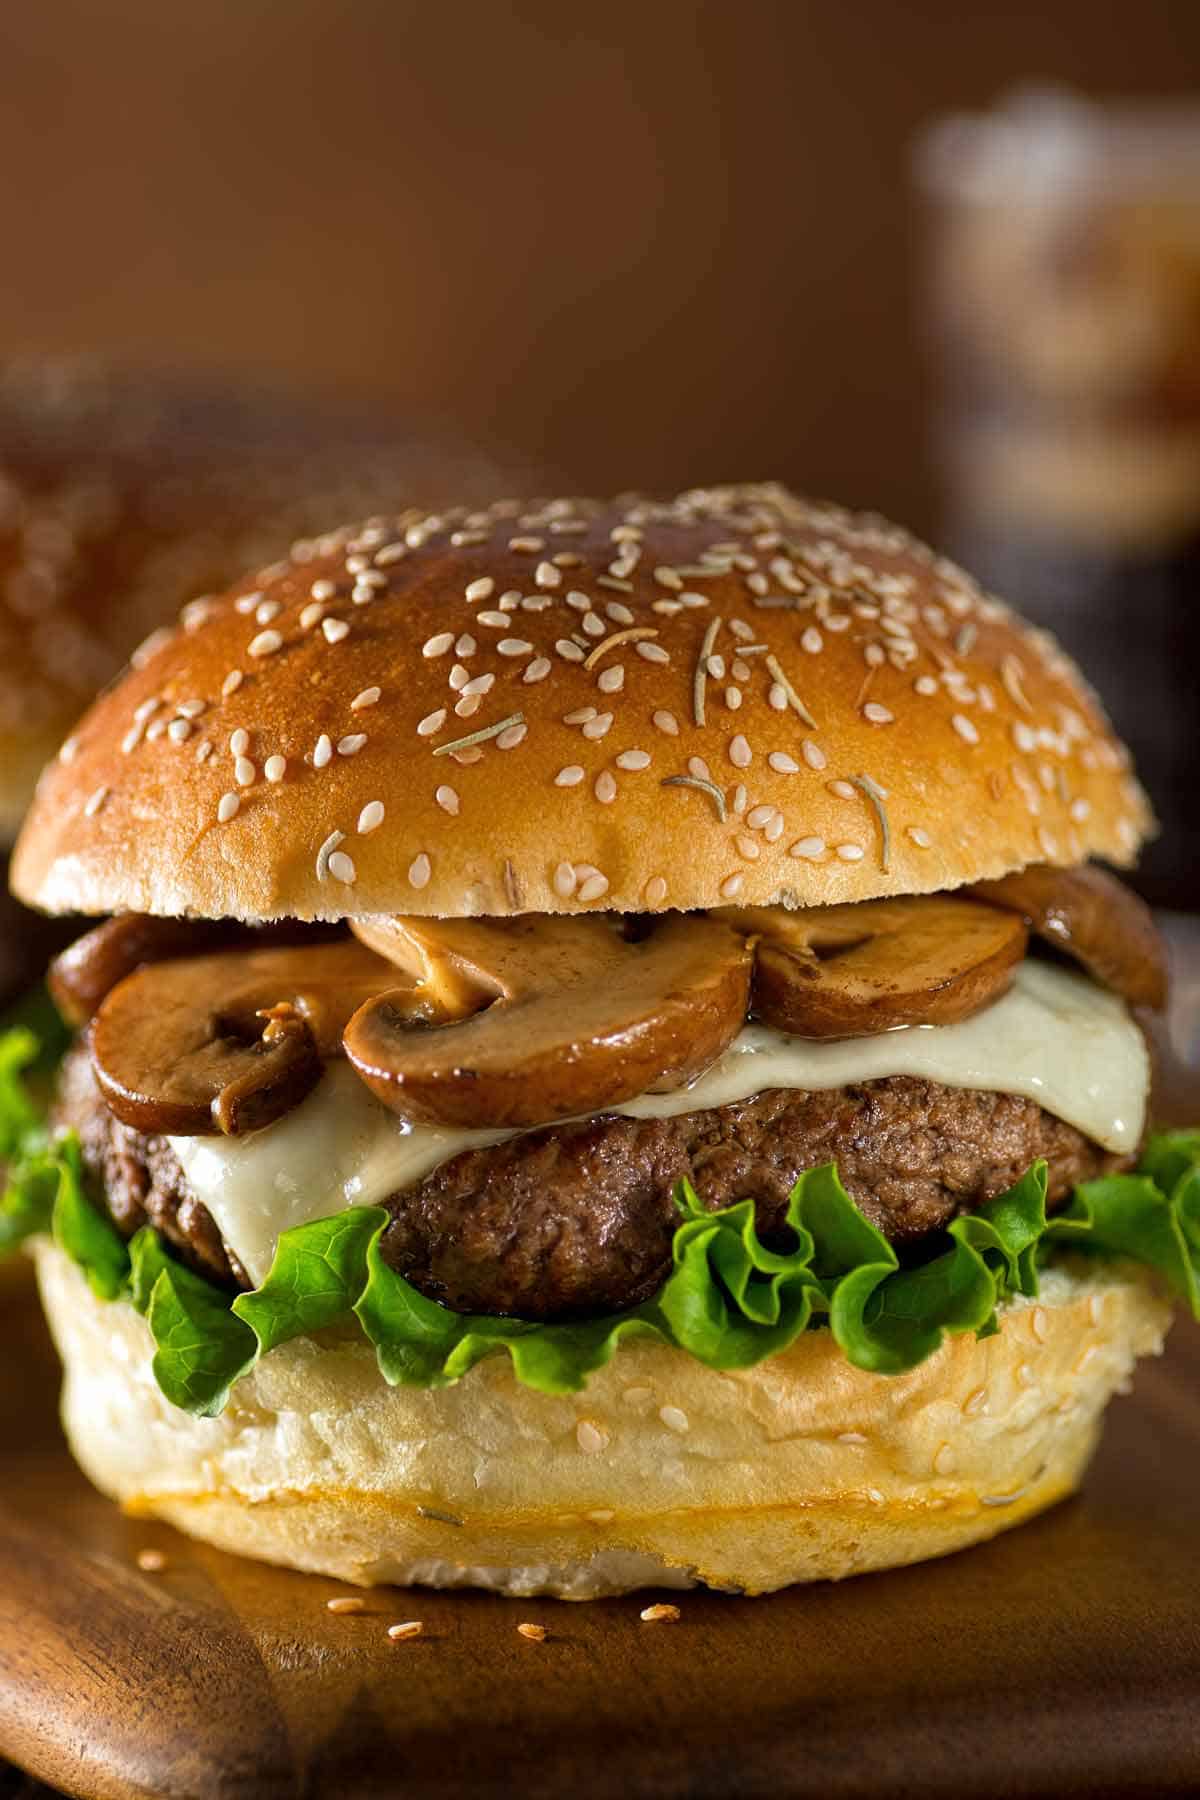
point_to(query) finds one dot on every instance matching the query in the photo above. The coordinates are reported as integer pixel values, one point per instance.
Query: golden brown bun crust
(662, 1472)
(124, 494)
(950, 742)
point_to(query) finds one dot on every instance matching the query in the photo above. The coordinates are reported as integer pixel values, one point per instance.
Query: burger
(612, 1058)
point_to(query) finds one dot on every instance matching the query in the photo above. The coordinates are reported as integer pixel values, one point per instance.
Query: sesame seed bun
(663, 1473)
(125, 493)
(734, 696)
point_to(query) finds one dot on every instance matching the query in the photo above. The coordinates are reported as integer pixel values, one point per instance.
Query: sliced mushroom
(852, 971)
(231, 1041)
(89, 968)
(1094, 918)
(571, 1016)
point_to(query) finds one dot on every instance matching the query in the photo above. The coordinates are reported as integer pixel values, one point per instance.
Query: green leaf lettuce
(728, 1299)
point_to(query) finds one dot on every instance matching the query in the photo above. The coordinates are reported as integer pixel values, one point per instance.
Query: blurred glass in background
(1062, 291)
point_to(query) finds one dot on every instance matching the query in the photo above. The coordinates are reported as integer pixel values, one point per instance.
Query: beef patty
(577, 1219)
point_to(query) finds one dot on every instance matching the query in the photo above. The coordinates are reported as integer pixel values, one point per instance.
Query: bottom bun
(662, 1473)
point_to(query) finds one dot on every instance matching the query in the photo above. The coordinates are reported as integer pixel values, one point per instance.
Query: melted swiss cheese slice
(1054, 1036)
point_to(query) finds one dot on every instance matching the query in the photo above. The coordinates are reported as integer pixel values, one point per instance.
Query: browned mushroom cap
(231, 1041)
(576, 1017)
(89, 968)
(1091, 916)
(852, 971)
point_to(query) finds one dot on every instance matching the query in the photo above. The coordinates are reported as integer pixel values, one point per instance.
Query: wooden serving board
(1061, 1659)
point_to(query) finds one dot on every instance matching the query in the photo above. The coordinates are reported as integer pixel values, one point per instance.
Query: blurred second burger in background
(125, 493)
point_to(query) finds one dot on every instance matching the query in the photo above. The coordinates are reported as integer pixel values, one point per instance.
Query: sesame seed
(371, 817)
(508, 740)
(777, 697)
(580, 716)
(179, 730)
(311, 615)
(239, 742)
(419, 871)
(740, 753)
(758, 816)
(619, 613)
(437, 645)
(408, 1628)
(731, 887)
(482, 684)
(842, 789)
(151, 1562)
(537, 670)
(535, 1633)
(813, 754)
(346, 1603)
(674, 1418)
(227, 807)
(231, 683)
(668, 577)
(351, 745)
(612, 679)
(244, 771)
(733, 698)
(275, 768)
(925, 685)
(652, 653)
(466, 645)
(850, 852)
(481, 589)
(666, 722)
(809, 848)
(605, 788)
(368, 697)
(564, 877)
(529, 544)
(877, 714)
(593, 887)
(496, 621)
(590, 1438)
(546, 575)
(597, 727)
(341, 867)
(965, 728)
(747, 847)
(662, 1614)
(514, 647)
(633, 759)
(335, 630)
(323, 590)
(919, 837)
(655, 891)
(571, 776)
(265, 644)
(811, 640)
(782, 763)
(322, 751)
(593, 625)
(579, 602)
(190, 709)
(432, 722)
(568, 651)
(269, 610)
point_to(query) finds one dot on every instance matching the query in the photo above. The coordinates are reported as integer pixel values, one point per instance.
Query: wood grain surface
(1062, 1659)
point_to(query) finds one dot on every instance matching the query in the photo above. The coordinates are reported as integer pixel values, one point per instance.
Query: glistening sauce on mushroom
(1055, 1037)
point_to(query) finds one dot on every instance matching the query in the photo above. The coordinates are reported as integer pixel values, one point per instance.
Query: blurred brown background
(645, 243)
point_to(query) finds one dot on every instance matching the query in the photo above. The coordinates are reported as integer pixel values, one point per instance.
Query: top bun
(124, 493)
(734, 696)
